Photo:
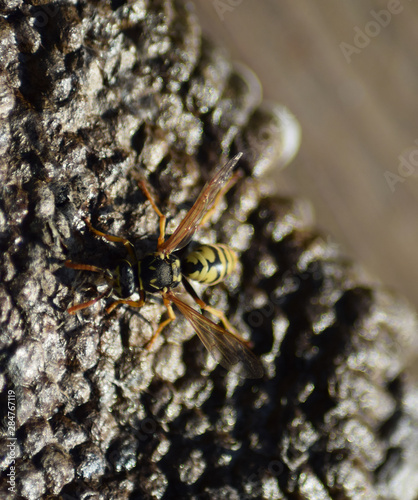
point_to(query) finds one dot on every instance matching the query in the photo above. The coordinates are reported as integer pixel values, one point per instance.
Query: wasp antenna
(84, 267)
(84, 305)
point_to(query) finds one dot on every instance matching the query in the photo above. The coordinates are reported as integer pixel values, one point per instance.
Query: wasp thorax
(158, 272)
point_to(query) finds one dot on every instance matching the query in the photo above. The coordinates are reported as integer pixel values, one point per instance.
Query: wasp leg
(162, 217)
(131, 303)
(163, 324)
(219, 197)
(111, 237)
(216, 312)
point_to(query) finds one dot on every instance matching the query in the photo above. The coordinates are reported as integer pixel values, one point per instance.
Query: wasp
(163, 271)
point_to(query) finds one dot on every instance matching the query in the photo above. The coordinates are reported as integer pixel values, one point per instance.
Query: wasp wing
(227, 349)
(188, 226)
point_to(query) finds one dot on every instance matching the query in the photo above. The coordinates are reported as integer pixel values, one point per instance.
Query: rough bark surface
(95, 95)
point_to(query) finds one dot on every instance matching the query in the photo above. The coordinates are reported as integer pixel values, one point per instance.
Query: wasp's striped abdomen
(209, 264)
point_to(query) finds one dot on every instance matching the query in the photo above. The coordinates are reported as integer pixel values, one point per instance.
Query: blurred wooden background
(358, 111)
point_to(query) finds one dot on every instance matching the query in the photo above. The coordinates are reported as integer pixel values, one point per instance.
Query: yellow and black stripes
(209, 264)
